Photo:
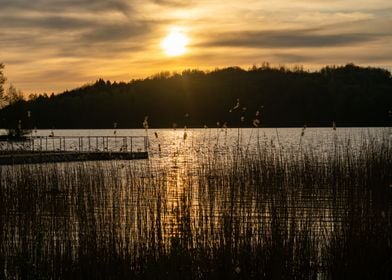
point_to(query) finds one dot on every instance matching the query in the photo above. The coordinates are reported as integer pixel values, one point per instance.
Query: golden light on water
(175, 43)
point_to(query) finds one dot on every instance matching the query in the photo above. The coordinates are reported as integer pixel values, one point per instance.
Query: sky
(55, 45)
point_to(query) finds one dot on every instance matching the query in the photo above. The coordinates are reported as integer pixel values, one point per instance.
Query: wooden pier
(42, 149)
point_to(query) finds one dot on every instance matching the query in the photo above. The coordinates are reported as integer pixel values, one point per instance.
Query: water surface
(236, 196)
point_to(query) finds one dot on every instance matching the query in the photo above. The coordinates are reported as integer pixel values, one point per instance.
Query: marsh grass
(263, 213)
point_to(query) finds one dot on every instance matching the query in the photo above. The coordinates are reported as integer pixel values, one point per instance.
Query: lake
(208, 203)
(170, 140)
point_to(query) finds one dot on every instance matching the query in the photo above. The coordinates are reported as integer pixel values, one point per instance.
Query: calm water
(202, 189)
(170, 140)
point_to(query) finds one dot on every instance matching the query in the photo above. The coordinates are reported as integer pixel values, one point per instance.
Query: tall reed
(263, 213)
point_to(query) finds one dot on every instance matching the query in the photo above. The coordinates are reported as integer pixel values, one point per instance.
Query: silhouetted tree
(2, 80)
(349, 95)
(13, 95)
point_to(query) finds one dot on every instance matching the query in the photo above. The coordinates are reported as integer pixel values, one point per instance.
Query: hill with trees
(348, 95)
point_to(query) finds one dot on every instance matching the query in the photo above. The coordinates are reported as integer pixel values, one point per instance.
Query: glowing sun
(174, 44)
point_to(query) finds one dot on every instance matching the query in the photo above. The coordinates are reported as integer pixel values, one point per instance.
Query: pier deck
(46, 149)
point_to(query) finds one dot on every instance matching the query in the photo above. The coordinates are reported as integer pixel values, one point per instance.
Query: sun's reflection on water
(191, 196)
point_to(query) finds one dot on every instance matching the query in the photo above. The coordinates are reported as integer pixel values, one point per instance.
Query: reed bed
(269, 212)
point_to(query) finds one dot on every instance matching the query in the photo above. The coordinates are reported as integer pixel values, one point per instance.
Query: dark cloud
(45, 22)
(65, 5)
(98, 50)
(174, 3)
(58, 42)
(115, 32)
(304, 38)
(72, 34)
(63, 14)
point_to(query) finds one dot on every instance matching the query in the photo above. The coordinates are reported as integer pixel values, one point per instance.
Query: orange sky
(53, 45)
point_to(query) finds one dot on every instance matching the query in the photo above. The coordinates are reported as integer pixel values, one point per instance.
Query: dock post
(125, 144)
(131, 144)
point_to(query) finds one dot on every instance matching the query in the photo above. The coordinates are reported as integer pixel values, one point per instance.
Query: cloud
(292, 38)
(116, 32)
(335, 17)
(174, 3)
(66, 5)
(57, 44)
(45, 22)
(71, 27)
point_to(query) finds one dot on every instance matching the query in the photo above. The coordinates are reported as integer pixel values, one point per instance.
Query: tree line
(262, 96)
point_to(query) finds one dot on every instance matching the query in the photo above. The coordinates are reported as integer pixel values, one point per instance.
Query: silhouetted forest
(348, 95)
